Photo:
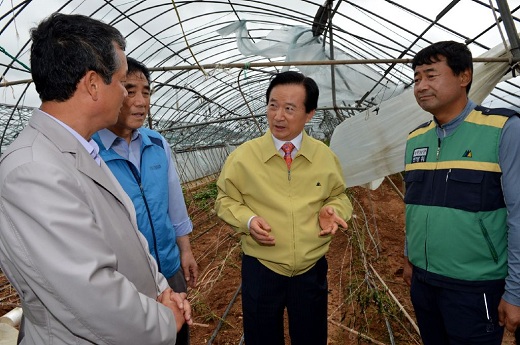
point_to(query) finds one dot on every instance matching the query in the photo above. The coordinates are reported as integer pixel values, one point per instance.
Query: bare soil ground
(365, 267)
(368, 301)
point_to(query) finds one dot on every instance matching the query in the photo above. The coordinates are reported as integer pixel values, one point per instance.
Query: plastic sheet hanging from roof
(297, 43)
(371, 144)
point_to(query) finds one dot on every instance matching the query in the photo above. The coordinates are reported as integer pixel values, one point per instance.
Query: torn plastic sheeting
(297, 43)
(371, 144)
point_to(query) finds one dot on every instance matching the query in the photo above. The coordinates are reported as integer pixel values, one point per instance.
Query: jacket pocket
(490, 244)
(415, 188)
(464, 189)
(414, 176)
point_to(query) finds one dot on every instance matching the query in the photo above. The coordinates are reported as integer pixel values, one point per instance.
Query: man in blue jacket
(141, 160)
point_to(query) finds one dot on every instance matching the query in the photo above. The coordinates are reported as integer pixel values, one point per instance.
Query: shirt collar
(91, 146)
(297, 142)
(108, 138)
(450, 126)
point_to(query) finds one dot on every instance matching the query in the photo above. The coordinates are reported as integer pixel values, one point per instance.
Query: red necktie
(287, 148)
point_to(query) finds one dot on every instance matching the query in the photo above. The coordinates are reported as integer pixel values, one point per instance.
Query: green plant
(203, 311)
(206, 196)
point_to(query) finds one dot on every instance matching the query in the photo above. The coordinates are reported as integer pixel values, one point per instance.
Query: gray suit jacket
(71, 248)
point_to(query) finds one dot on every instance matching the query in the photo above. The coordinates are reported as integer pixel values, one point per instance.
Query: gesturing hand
(330, 221)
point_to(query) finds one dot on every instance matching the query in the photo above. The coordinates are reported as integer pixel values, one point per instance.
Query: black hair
(458, 57)
(135, 66)
(312, 91)
(65, 47)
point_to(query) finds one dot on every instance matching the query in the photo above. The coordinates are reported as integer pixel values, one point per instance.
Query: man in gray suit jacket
(69, 242)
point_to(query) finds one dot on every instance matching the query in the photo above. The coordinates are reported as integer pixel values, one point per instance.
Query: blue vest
(149, 193)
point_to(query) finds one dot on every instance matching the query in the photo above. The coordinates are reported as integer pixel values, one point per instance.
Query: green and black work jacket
(455, 210)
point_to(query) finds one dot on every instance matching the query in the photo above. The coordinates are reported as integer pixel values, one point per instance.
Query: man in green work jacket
(284, 193)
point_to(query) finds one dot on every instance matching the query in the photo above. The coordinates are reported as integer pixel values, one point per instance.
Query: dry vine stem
(395, 300)
(364, 336)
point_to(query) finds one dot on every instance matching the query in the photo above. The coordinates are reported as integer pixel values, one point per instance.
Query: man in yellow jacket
(284, 193)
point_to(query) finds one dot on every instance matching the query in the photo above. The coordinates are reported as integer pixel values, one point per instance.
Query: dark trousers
(178, 284)
(265, 295)
(452, 317)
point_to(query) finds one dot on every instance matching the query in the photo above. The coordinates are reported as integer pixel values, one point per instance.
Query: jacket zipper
(138, 180)
(426, 240)
(438, 147)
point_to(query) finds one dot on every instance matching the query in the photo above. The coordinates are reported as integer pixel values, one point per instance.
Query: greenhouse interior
(211, 62)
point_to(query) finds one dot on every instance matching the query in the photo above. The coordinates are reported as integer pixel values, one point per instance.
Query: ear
(91, 82)
(465, 78)
(310, 115)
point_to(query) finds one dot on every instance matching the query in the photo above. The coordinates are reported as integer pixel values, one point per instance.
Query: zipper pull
(289, 174)
(438, 147)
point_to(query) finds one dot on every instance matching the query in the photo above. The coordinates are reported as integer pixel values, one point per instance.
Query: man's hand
(260, 231)
(508, 315)
(330, 221)
(407, 271)
(188, 263)
(179, 305)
